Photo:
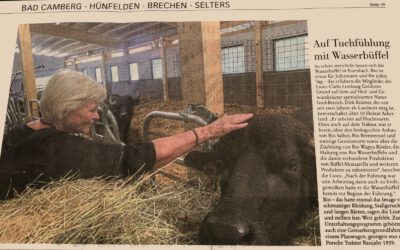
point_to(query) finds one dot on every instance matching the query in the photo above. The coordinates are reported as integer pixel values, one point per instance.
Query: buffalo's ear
(132, 101)
(202, 161)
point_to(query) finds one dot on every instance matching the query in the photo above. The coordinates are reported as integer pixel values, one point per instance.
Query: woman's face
(79, 120)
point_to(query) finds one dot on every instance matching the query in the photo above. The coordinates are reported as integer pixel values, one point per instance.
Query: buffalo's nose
(225, 230)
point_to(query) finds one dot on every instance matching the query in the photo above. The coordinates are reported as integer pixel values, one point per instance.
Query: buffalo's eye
(218, 167)
(292, 165)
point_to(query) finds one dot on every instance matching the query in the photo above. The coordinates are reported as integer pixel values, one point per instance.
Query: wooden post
(105, 57)
(28, 69)
(163, 54)
(259, 64)
(75, 64)
(200, 61)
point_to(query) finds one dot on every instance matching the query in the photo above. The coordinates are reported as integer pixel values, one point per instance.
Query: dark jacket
(36, 157)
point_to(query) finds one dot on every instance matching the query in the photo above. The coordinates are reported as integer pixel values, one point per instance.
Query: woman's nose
(96, 115)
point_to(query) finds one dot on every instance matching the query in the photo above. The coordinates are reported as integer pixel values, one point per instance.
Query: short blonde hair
(68, 91)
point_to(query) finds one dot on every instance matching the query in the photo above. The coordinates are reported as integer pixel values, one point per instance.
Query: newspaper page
(332, 63)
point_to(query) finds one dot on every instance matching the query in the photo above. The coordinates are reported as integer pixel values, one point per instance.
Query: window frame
(153, 71)
(99, 77)
(112, 76)
(130, 71)
(284, 68)
(242, 64)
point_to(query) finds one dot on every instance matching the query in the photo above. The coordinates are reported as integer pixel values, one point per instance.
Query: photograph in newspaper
(60, 154)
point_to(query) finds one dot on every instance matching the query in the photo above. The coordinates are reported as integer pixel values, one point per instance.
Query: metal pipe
(180, 117)
(169, 115)
(110, 132)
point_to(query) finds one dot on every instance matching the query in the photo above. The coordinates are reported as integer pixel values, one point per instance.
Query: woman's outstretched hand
(168, 148)
(226, 124)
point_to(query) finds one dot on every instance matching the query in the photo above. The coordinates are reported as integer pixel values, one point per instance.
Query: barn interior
(226, 67)
(259, 63)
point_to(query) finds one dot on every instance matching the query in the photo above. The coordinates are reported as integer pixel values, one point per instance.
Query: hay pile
(134, 211)
(99, 211)
(309, 230)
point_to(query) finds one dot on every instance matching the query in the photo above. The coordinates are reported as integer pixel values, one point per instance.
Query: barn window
(290, 53)
(98, 75)
(232, 59)
(114, 74)
(134, 71)
(176, 65)
(156, 68)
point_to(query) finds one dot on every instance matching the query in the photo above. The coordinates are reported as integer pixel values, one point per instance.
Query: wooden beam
(119, 28)
(38, 39)
(200, 61)
(163, 53)
(105, 58)
(91, 26)
(128, 34)
(227, 24)
(53, 44)
(75, 64)
(78, 49)
(171, 38)
(259, 64)
(81, 26)
(138, 40)
(28, 69)
(78, 35)
(173, 24)
(101, 28)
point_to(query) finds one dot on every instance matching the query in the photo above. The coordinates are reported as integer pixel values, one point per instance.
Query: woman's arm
(169, 148)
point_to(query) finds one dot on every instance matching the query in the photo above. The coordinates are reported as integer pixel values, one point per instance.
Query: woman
(58, 143)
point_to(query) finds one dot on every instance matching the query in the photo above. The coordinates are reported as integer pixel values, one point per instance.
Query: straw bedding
(139, 210)
(99, 211)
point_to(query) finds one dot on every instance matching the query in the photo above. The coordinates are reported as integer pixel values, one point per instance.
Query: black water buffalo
(122, 109)
(268, 181)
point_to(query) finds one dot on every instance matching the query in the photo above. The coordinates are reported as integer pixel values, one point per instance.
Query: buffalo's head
(121, 106)
(122, 109)
(268, 181)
